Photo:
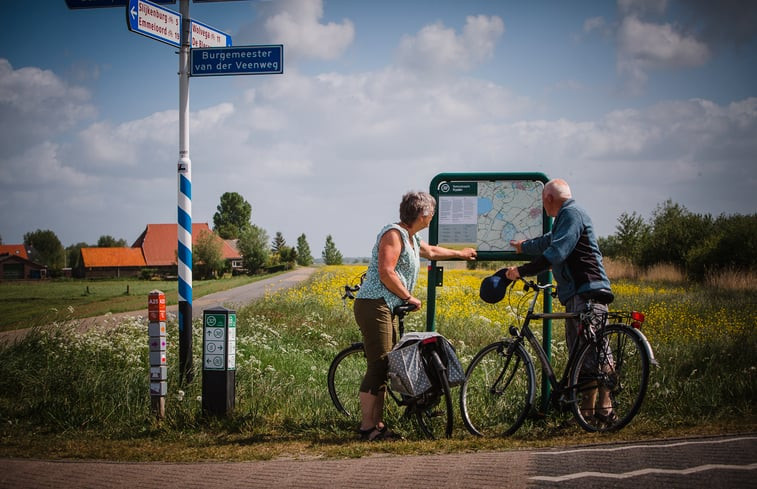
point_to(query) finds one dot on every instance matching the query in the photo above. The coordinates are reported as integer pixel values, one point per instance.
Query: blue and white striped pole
(184, 227)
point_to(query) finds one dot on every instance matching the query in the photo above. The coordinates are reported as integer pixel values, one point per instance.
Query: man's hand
(512, 273)
(517, 245)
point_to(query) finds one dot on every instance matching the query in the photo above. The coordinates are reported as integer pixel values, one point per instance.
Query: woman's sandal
(382, 433)
(609, 419)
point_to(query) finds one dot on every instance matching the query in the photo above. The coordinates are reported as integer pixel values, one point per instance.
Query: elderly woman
(392, 274)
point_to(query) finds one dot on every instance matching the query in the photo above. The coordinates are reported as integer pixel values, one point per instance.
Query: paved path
(728, 462)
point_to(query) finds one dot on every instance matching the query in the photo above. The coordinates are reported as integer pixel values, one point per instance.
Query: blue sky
(633, 102)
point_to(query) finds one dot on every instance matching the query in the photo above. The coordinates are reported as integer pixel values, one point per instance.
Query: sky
(634, 103)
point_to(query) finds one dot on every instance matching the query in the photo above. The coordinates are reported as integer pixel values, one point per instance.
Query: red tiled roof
(159, 243)
(112, 257)
(14, 250)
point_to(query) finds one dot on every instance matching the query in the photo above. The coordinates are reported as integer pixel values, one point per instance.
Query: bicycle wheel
(498, 391)
(615, 375)
(345, 375)
(433, 410)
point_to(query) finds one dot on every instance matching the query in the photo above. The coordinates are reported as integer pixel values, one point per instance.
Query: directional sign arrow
(152, 20)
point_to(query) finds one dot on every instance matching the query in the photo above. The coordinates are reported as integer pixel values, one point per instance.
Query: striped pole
(184, 218)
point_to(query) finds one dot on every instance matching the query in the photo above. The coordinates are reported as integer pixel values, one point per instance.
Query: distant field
(25, 304)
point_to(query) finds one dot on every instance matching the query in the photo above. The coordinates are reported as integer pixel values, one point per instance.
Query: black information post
(219, 361)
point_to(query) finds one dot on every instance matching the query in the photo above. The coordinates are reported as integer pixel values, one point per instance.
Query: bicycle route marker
(152, 20)
(263, 59)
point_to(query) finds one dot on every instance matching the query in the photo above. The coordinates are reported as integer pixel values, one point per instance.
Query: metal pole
(184, 218)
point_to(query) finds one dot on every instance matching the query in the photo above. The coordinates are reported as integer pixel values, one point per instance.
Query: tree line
(697, 244)
(232, 221)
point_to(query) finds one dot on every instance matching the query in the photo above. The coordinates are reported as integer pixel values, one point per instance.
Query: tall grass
(58, 381)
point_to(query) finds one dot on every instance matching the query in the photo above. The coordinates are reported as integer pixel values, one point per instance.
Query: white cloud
(36, 104)
(438, 49)
(298, 22)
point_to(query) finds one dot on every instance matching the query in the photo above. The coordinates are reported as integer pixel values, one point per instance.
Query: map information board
(486, 215)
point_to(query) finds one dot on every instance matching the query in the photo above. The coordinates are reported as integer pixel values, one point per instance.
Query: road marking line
(631, 447)
(638, 473)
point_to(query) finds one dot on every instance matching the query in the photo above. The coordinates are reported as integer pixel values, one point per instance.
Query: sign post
(219, 360)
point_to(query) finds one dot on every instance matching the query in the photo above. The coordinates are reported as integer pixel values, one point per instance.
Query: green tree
(278, 242)
(232, 217)
(287, 255)
(73, 254)
(108, 241)
(304, 257)
(330, 254)
(48, 247)
(207, 256)
(626, 243)
(253, 245)
(674, 232)
(731, 246)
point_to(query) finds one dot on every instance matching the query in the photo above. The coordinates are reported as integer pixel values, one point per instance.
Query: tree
(108, 241)
(278, 242)
(73, 254)
(304, 258)
(331, 255)
(233, 216)
(731, 246)
(253, 245)
(631, 234)
(207, 255)
(674, 232)
(48, 247)
(288, 256)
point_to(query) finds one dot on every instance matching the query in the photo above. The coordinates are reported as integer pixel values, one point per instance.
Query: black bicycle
(604, 381)
(431, 410)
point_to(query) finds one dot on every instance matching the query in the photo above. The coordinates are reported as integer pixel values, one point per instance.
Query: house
(159, 244)
(154, 249)
(14, 264)
(111, 262)
(14, 250)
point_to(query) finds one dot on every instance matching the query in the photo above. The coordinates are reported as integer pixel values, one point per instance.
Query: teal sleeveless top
(408, 266)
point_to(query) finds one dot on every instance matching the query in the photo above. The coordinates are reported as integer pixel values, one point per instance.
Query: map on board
(486, 215)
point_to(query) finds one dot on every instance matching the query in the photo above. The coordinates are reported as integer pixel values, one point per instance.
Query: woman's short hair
(415, 205)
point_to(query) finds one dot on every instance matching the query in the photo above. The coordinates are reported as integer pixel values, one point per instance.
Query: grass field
(65, 394)
(25, 304)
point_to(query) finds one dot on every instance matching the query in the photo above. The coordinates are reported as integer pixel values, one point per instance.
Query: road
(693, 463)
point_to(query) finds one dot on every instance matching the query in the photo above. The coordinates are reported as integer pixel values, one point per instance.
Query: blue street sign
(73, 4)
(152, 20)
(238, 60)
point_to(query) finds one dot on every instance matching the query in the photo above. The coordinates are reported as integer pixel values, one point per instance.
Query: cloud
(643, 46)
(298, 22)
(36, 104)
(438, 49)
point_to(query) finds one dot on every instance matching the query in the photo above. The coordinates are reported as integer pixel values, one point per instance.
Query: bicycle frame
(546, 365)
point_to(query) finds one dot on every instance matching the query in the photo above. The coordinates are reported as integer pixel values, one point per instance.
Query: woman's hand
(414, 301)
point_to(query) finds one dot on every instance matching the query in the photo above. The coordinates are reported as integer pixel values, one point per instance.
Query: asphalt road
(692, 463)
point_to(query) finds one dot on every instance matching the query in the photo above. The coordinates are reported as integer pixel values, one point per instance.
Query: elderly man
(571, 250)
